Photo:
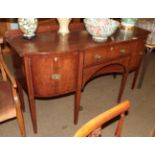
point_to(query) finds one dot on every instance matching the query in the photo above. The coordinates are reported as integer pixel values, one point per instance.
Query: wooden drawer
(101, 54)
(96, 55)
(118, 50)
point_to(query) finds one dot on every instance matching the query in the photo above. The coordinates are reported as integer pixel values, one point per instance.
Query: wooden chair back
(93, 127)
(10, 106)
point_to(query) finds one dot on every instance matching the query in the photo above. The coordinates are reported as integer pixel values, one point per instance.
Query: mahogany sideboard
(51, 65)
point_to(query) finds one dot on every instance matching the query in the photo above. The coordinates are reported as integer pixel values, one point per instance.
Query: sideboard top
(49, 41)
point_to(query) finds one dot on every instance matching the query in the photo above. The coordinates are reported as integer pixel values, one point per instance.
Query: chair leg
(19, 114)
(21, 122)
(152, 133)
(119, 126)
(21, 96)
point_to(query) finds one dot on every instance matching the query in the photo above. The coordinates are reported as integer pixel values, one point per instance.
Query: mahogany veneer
(52, 65)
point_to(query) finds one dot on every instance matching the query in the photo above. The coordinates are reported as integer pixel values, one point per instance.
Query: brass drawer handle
(56, 76)
(98, 56)
(123, 51)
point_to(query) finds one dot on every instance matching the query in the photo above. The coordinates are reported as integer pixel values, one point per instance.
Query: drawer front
(54, 75)
(101, 54)
(118, 50)
(105, 68)
(96, 55)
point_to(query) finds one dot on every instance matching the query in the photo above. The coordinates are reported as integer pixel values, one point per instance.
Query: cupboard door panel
(54, 75)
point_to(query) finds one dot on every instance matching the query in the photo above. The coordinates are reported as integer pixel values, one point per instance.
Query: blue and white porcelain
(28, 26)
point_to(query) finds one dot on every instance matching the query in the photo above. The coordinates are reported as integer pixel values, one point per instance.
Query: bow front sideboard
(53, 65)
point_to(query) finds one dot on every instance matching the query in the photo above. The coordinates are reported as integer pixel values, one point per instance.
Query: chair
(93, 127)
(9, 100)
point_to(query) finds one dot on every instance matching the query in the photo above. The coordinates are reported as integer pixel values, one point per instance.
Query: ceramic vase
(28, 26)
(128, 22)
(125, 34)
(63, 25)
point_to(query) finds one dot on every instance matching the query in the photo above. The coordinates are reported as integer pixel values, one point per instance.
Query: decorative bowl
(100, 28)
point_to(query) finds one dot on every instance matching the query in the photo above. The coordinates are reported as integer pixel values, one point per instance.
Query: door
(54, 74)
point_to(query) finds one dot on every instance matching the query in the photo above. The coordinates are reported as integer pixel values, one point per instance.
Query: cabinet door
(54, 74)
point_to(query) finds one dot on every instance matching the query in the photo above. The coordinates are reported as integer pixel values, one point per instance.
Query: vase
(63, 43)
(63, 25)
(125, 34)
(128, 22)
(28, 26)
